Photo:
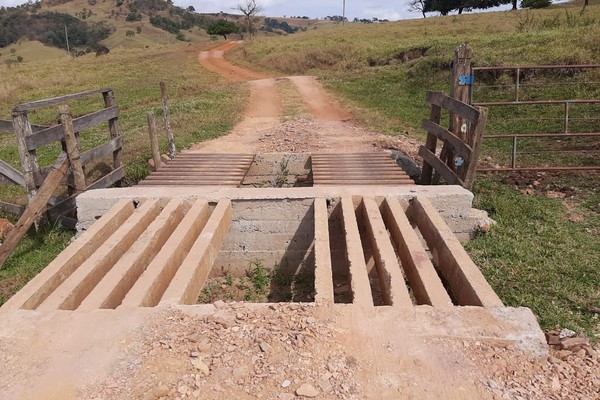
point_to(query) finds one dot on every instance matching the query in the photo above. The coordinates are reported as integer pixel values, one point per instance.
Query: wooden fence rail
(31, 137)
(458, 160)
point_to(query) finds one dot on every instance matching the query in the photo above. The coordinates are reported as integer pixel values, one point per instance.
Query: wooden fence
(31, 137)
(457, 161)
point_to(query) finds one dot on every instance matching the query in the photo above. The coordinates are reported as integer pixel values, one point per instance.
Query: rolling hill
(124, 24)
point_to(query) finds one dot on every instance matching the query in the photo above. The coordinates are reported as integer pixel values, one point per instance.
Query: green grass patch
(33, 253)
(260, 285)
(536, 257)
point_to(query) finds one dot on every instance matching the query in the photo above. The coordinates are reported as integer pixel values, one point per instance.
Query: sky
(382, 9)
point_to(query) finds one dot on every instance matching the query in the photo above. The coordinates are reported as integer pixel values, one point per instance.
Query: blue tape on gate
(466, 80)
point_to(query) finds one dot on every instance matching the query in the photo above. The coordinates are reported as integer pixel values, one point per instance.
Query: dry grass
(202, 106)
(292, 105)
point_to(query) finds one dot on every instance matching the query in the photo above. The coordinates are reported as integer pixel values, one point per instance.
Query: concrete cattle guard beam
(148, 252)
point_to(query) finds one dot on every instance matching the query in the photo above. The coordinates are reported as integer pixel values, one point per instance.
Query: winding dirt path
(264, 128)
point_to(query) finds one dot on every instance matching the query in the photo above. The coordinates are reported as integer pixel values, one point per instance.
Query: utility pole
(344, 13)
(67, 38)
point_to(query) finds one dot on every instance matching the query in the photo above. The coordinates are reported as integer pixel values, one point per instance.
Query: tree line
(49, 28)
(444, 7)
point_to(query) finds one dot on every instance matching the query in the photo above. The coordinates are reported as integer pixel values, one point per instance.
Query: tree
(444, 7)
(250, 9)
(223, 28)
(191, 9)
(418, 5)
(535, 3)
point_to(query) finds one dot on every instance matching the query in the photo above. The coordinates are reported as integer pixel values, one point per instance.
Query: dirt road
(265, 128)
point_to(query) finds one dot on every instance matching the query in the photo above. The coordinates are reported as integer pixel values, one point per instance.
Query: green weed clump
(536, 257)
(34, 252)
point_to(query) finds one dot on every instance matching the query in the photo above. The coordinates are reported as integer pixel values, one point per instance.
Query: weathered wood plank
(151, 285)
(193, 272)
(72, 148)
(71, 258)
(363, 175)
(12, 174)
(430, 144)
(467, 283)
(440, 167)
(56, 132)
(191, 178)
(477, 136)
(424, 281)
(7, 126)
(323, 268)
(12, 208)
(118, 281)
(219, 156)
(355, 257)
(63, 207)
(108, 179)
(460, 148)
(364, 182)
(454, 106)
(28, 159)
(153, 140)
(114, 127)
(70, 294)
(393, 288)
(188, 183)
(167, 119)
(34, 105)
(101, 151)
(35, 208)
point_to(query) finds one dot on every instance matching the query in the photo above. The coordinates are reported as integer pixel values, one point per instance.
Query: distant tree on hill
(49, 29)
(191, 9)
(132, 16)
(223, 28)
(417, 5)
(272, 24)
(250, 9)
(535, 3)
(335, 18)
(444, 7)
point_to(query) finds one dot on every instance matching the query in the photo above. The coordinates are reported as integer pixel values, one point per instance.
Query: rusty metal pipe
(539, 135)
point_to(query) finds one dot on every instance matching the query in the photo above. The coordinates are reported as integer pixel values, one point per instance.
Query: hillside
(123, 24)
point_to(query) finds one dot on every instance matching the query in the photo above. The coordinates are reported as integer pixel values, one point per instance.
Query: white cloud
(12, 3)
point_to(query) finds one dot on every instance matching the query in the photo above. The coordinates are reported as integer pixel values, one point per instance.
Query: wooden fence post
(113, 126)
(477, 141)
(460, 90)
(461, 84)
(29, 162)
(167, 118)
(72, 148)
(36, 207)
(430, 144)
(153, 140)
